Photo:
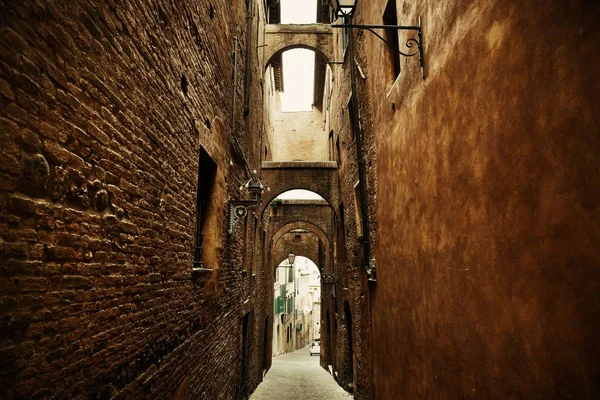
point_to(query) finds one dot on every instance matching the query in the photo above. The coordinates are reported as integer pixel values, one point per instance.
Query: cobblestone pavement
(297, 375)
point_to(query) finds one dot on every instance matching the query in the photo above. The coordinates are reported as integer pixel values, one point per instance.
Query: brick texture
(103, 109)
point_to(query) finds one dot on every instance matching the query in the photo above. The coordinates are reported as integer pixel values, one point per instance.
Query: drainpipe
(361, 159)
(247, 77)
(235, 56)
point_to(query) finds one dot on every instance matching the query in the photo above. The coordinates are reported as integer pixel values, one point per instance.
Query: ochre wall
(488, 236)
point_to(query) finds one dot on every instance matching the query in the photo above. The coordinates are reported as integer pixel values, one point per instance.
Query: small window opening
(184, 85)
(342, 234)
(358, 210)
(331, 147)
(392, 61)
(351, 116)
(211, 11)
(338, 156)
(206, 176)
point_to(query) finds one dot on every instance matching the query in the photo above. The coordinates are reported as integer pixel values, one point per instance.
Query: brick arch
(283, 37)
(319, 177)
(315, 230)
(310, 220)
(301, 255)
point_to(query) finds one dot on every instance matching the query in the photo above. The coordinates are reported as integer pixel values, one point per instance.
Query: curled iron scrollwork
(409, 43)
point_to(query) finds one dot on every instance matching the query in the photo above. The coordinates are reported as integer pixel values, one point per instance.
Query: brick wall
(351, 360)
(103, 109)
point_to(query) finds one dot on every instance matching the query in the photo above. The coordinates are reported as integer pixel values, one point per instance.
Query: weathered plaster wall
(488, 235)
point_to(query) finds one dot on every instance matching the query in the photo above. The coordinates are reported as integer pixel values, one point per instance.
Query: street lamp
(344, 8)
(238, 209)
(254, 186)
(291, 259)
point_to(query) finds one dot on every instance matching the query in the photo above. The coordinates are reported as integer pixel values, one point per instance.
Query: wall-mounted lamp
(346, 8)
(238, 209)
(254, 186)
(291, 259)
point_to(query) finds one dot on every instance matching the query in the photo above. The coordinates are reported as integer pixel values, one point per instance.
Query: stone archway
(312, 228)
(282, 37)
(319, 177)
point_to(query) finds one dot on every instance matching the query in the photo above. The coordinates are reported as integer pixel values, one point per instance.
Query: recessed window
(358, 210)
(331, 147)
(392, 59)
(184, 85)
(207, 170)
(352, 116)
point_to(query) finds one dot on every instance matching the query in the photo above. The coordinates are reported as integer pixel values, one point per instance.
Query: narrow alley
(193, 194)
(298, 375)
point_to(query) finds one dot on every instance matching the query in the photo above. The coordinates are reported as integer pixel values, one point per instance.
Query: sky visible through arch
(298, 64)
(299, 194)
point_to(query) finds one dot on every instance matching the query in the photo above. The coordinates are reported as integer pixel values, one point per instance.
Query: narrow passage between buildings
(298, 375)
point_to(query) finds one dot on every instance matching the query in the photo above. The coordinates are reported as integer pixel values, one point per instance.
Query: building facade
(126, 131)
(482, 202)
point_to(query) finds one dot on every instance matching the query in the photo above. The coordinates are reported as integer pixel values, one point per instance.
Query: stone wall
(104, 107)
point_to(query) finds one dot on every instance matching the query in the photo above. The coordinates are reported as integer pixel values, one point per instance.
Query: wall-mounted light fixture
(291, 259)
(346, 8)
(238, 209)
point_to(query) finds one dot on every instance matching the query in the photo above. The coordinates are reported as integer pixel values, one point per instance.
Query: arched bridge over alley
(317, 37)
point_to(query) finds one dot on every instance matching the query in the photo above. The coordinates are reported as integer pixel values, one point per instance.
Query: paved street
(298, 376)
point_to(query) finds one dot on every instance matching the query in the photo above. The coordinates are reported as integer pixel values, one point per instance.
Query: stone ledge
(314, 202)
(299, 28)
(299, 164)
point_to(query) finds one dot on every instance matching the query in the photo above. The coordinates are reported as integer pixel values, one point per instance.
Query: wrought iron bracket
(238, 209)
(410, 43)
